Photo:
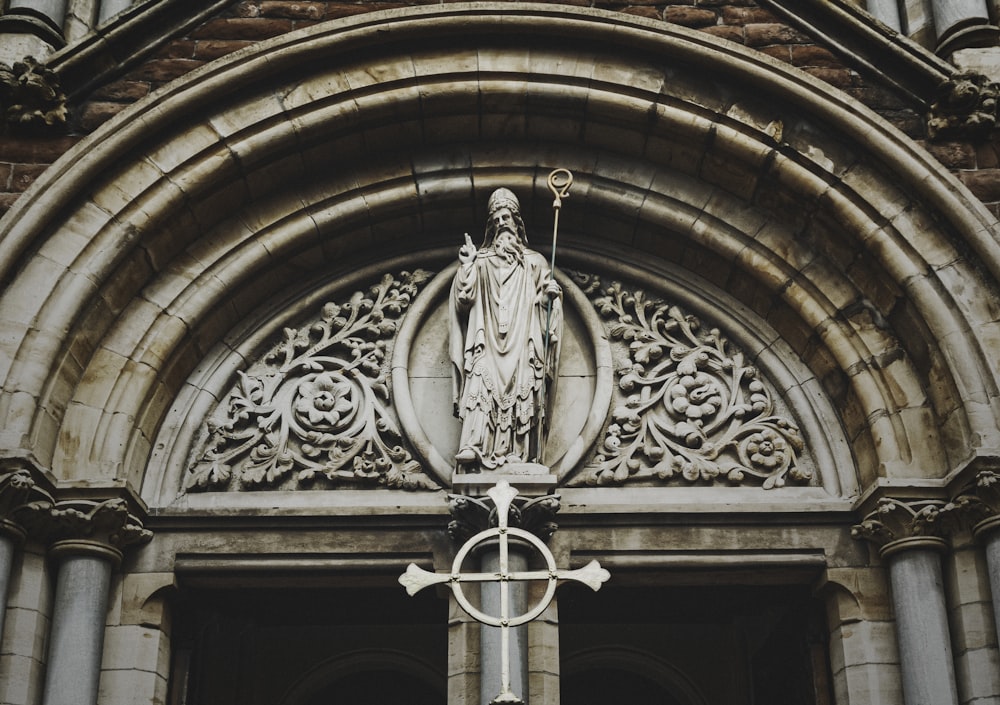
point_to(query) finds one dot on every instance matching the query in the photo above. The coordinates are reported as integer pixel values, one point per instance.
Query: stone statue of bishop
(506, 319)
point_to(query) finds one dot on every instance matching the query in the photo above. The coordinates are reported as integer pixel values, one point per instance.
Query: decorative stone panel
(358, 396)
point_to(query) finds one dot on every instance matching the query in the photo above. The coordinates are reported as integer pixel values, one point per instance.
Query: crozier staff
(505, 303)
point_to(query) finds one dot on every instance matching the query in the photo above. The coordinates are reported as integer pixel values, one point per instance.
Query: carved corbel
(965, 108)
(897, 525)
(31, 99)
(103, 528)
(470, 515)
(20, 497)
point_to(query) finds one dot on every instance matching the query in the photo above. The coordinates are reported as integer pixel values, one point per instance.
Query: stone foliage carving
(895, 519)
(108, 521)
(315, 410)
(690, 409)
(977, 503)
(471, 515)
(20, 498)
(965, 107)
(30, 96)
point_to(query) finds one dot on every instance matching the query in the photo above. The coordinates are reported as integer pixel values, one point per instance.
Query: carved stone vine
(690, 409)
(30, 96)
(965, 108)
(315, 410)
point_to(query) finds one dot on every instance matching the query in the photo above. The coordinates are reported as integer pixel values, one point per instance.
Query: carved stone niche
(359, 394)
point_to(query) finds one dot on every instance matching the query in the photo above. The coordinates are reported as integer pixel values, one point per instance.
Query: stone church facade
(228, 238)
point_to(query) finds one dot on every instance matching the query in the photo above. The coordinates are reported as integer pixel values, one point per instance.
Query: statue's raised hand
(467, 252)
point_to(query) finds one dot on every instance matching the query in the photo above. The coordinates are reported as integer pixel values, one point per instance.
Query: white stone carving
(690, 408)
(316, 409)
(505, 341)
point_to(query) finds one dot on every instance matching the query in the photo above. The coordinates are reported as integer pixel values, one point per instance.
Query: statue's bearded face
(506, 242)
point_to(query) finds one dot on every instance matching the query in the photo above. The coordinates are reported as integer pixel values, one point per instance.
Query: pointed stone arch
(316, 153)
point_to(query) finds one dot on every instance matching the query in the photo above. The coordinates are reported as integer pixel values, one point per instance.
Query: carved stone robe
(498, 317)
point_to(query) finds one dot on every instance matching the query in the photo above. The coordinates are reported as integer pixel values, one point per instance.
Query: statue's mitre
(503, 198)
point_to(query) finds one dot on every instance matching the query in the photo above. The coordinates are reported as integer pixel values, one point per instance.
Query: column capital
(896, 525)
(977, 503)
(102, 528)
(21, 494)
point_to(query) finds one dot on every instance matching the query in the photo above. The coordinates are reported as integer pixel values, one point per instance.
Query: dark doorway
(377, 687)
(360, 645)
(692, 645)
(600, 686)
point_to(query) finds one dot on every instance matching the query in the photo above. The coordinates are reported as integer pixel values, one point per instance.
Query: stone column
(962, 23)
(87, 542)
(470, 516)
(907, 535)
(979, 503)
(19, 494)
(490, 642)
(887, 12)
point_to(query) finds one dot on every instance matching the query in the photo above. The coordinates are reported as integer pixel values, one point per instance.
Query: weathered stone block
(243, 28)
(766, 34)
(735, 15)
(690, 16)
(208, 49)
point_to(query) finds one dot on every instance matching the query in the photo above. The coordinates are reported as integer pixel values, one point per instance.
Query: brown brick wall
(246, 22)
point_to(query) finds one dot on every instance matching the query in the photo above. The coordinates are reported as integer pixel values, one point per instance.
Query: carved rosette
(470, 515)
(315, 411)
(896, 524)
(689, 409)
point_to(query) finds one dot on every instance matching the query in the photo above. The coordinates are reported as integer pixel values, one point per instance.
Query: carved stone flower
(767, 449)
(695, 396)
(324, 400)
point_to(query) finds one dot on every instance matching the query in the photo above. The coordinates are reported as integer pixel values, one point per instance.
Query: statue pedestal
(531, 480)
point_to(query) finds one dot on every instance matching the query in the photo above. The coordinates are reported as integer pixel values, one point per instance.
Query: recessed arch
(317, 152)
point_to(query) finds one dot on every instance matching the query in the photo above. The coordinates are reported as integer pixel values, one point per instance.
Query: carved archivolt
(318, 410)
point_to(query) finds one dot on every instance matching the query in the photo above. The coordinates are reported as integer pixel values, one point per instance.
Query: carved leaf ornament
(690, 408)
(316, 411)
(316, 408)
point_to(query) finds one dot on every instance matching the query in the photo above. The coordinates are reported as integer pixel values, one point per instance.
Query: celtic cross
(416, 579)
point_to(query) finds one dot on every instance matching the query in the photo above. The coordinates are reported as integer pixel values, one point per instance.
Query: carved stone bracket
(31, 99)
(691, 408)
(470, 515)
(896, 525)
(20, 496)
(317, 409)
(105, 527)
(965, 108)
